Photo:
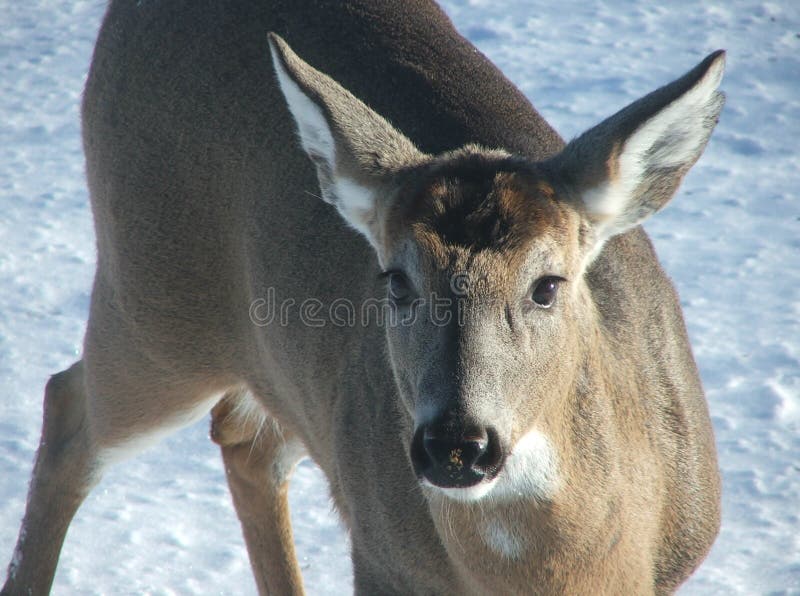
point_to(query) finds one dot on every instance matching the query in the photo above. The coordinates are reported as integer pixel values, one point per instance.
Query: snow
(163, 523)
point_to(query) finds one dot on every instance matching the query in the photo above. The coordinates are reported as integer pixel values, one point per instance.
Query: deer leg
(64, 472)
(94, 415)
(259, 458)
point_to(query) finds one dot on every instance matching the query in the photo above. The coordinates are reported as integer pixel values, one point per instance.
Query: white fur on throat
(501, 539)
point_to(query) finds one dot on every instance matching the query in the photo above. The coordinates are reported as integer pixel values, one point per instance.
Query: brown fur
(203, 201)
(480, 203)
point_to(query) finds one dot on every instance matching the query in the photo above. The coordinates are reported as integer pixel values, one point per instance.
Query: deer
(525, 416)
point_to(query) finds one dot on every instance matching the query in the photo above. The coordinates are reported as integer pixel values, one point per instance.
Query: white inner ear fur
(675, 136)
(312, 127)
(355, 202)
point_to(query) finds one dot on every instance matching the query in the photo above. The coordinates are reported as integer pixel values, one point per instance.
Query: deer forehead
(494, 220)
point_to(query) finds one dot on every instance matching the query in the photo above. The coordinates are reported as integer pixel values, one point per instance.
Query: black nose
(455, 456)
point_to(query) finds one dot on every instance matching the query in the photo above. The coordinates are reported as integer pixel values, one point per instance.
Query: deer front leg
(259, 458)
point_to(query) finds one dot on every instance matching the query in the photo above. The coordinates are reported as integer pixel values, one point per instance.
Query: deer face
(482, 263)
(484, 257)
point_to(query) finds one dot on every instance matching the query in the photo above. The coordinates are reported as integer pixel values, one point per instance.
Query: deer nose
(455, 458)
(454, 455)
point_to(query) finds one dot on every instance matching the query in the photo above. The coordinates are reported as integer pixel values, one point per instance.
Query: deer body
(584, 455)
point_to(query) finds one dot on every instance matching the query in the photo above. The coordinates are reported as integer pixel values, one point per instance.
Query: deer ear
(355, 151)
(629, 166)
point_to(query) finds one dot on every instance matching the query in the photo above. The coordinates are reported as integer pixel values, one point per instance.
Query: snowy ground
(163, 523)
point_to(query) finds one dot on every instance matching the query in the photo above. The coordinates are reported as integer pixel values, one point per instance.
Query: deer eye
(544, 291)
(399, 287)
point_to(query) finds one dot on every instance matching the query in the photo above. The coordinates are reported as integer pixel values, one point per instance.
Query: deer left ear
(629, 166)
(354, 150)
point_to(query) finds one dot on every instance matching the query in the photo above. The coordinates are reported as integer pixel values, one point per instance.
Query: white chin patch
(466, 495)
(530, 472)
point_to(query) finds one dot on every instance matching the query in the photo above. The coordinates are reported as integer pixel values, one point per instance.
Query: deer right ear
(355, 151)
(629, 166)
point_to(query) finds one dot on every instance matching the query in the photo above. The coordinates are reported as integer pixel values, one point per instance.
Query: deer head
(484, 255)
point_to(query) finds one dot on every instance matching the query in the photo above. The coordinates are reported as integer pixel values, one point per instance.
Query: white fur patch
(530, 472)
(287, 457)
(248, 411)
(315, 134)
(136, 445)
(465, 495)
(356, 204)
(501, 539)
(354, 197)
(673, 137)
